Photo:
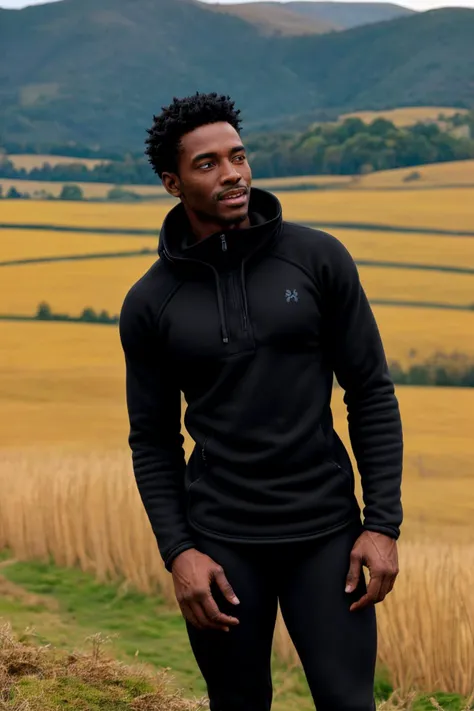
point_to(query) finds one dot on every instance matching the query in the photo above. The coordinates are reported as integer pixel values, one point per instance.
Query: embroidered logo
(291, 295)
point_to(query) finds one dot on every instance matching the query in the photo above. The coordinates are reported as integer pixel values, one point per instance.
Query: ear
(171, 184)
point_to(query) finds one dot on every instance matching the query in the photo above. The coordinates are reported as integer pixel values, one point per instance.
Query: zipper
(203, 451)
(237, 298)
(223, 243)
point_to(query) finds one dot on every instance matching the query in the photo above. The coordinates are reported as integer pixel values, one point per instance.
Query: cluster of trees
(89, 315)
(351, 147)
(453, 370)
(68, 192)
(355, 148)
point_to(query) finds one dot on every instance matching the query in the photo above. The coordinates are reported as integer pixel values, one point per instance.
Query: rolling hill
(94, 71)
(346, 15)
(312, 16)
(276, 18)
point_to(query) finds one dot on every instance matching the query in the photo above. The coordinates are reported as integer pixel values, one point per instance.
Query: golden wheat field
(90, 190)
(29, 162)
(407, 115)
(64, 421)
(426, 209)
(432, 209)
(453, 173)
(28, 244)
(61, 284)
(408, 248)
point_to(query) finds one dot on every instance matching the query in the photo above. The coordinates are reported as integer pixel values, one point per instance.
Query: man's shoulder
(310, 245)
(151, 290)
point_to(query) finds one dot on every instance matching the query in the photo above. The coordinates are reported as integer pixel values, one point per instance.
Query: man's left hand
(379, 553)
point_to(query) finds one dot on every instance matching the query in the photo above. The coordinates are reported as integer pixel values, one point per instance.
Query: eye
(241, 158)
(204, 165)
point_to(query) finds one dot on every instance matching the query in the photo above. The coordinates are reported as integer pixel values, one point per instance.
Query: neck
(204, 228)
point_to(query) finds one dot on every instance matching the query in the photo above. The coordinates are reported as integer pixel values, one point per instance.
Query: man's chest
(273, 304)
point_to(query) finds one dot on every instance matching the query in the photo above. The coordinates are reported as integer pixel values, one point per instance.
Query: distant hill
(95, 71)
(276, 18)
(346, 15)
(312, 17)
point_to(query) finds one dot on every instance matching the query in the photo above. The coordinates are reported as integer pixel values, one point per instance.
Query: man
(250, 317)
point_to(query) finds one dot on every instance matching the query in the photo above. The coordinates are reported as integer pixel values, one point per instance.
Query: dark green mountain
(94, 71)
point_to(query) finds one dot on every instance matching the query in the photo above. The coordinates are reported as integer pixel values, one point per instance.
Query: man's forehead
(211, 138)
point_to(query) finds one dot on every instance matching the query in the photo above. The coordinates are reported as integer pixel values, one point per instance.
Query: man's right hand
(193, 573)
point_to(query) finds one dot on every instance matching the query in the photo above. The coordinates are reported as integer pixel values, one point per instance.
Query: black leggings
(337, 647)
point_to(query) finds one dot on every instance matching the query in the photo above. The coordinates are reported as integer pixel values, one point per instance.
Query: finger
(384, 588)
(225, 586)
(214, 615)
(189, 615)
(370, 596)
(199, 614)
(392, 582)
(355, 569)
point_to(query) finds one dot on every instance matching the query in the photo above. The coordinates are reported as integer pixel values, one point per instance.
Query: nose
(230, 174)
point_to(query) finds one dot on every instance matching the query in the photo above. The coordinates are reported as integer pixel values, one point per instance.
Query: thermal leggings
(337, 648)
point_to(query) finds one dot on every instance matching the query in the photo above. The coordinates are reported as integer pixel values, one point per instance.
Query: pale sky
(414, 4)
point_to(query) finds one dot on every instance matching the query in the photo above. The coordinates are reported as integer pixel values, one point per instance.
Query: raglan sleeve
(360, 366)
(153, 400)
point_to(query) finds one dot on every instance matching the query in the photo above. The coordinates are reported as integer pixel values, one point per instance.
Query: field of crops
(30, 244)
(454, 173)
(406, 116)
(434, 209)
(90, 190)
(27, 161)
(62, 399)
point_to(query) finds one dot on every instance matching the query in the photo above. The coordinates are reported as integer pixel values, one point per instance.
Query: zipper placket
(203, 451)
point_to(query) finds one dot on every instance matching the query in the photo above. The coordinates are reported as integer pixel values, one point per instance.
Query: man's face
(214, 177)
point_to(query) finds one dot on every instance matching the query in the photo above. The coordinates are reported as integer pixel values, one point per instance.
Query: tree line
(440, 369)
(350, 147)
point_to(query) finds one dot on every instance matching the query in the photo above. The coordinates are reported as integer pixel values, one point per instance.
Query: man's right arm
(154, 410)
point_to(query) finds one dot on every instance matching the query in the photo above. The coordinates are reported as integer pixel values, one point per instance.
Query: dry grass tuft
(31, 677)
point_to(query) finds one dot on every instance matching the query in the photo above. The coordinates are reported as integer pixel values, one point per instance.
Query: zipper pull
(203, 451)
(224, 243)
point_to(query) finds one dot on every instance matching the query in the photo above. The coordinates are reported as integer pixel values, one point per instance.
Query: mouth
(237, 197)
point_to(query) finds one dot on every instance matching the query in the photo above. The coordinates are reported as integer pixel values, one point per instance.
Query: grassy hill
(94, 71)
(276, 18)
(350, 14)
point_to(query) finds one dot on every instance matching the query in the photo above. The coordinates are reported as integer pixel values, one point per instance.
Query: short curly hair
(180, 117)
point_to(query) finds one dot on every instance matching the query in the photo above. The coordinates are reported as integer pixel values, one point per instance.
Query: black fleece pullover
(251, 325)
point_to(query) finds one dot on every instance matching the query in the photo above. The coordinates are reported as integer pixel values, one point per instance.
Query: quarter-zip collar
(177, 241)
(223, 250)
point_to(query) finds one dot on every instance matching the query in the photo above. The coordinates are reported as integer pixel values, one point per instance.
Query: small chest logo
(291, 295)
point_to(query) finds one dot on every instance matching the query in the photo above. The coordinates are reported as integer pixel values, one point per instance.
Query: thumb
(225, 587)
(353, 575)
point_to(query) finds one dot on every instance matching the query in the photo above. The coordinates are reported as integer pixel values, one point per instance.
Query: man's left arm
(375, 428)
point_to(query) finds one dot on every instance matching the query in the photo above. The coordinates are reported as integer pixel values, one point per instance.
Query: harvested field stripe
(78, 228)
(374, 302)
(422, 304)
(70, 319)
(144, 251)
(414, 266)
(368, 226)
(372, 227)
(78, 257)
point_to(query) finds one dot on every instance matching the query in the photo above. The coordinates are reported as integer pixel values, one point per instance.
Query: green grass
(67, 606)
(79, 695)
